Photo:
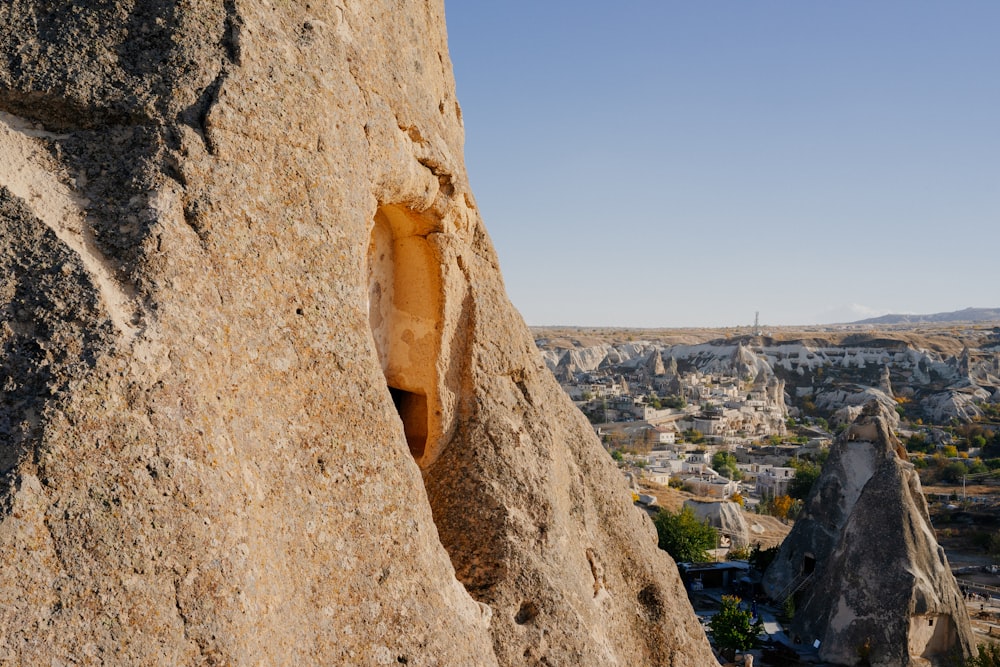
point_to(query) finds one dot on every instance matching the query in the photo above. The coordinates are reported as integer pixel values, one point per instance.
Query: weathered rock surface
(847, 404)
(724, 516)
(862, 561)
(265, 400)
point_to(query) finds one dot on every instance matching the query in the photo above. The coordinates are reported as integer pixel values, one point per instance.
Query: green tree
(806, 474)
(693, 436)
(977, 467)
(675, 402)
(724, 463)
(739, 553)
(760, 559)
(987, 655)
(917, 442)
(954, 471)
(733, 627)
(683, 536)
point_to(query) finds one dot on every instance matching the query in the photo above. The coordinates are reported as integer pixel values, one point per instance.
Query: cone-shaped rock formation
(862, 562)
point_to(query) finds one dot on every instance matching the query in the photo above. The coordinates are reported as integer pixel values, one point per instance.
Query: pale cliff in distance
(265, 400)
(944, 376)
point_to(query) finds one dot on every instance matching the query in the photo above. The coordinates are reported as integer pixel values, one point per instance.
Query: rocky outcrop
(654, 364)
(862, 561)
(959, 401)
(265, 399)
(847, 403)
(885, 382)
(726, 517)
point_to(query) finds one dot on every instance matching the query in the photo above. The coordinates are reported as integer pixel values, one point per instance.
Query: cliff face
(265, 399)
(862, 561)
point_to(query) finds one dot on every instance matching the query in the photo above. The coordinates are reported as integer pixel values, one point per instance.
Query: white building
(774, 482)
(712, 485)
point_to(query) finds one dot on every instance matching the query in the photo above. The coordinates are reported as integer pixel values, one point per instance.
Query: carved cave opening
(404, 312)
(412, 410)
(932, 635)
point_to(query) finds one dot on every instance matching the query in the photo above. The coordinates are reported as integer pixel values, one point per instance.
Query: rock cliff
(265, 400)
(862, 562)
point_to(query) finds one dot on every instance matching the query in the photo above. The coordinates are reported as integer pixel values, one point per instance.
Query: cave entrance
(932, 635)
(808, 564)
(412, 411)
(405, 310)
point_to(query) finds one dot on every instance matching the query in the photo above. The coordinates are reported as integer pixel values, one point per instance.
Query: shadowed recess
(405, 312)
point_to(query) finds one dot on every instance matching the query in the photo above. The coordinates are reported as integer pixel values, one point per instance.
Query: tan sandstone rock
(265, 400)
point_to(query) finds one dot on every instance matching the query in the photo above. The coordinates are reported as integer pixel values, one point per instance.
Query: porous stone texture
(862, 562)
(265, 400)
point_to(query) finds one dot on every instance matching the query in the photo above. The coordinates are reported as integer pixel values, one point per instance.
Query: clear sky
(658, 163)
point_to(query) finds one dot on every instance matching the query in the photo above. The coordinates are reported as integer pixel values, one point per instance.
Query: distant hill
(966, 315)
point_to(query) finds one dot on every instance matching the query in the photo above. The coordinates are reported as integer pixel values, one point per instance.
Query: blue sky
(668, 164)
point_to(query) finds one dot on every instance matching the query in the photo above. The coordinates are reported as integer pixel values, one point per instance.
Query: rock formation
(265, 400)
(862, 561)
(655, 364)
(846, 403)
(885, 382)
(725, 516)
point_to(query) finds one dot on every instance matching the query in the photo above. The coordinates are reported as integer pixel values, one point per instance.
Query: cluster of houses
(723, 409)
(648, 405)
(764, 470)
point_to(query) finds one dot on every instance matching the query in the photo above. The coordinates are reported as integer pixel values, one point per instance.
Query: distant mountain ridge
(966, 315)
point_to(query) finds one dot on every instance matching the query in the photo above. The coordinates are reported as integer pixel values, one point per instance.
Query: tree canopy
(806, 474)
(683, 536)
(733, 627)
(724, 463)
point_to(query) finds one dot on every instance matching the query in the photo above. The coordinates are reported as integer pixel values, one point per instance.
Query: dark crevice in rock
(526, 613)
(196, 116)
(58, 113)
(194, 219)
(232, 34)
(445, 180)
